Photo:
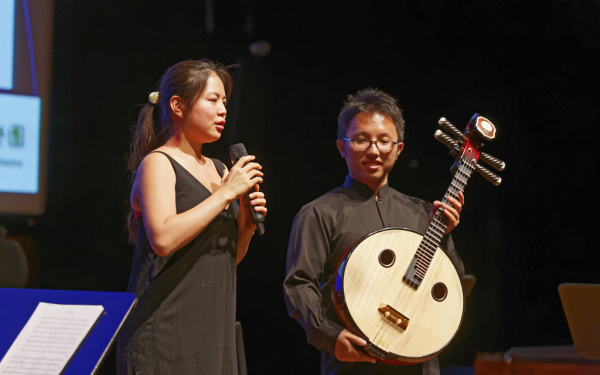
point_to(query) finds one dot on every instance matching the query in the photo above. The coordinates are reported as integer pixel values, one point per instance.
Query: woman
(188, 230)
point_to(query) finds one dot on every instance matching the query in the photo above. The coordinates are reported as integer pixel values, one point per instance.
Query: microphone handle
(257, 217)
(236, 151)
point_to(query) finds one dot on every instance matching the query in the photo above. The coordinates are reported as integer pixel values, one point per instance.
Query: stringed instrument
(396, 288)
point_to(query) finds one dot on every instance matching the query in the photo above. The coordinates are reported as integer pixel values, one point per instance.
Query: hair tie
(154, 97)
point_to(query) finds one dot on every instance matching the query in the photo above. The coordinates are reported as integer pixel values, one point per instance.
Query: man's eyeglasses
(363, 144)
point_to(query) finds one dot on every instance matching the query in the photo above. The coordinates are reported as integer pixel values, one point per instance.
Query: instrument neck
(439, 223)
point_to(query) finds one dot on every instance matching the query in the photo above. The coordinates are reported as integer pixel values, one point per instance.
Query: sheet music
(49, 339)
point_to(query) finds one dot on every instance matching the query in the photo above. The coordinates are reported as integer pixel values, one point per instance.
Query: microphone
(236, 151)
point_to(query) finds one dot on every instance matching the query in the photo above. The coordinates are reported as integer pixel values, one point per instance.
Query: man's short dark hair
(370, 101)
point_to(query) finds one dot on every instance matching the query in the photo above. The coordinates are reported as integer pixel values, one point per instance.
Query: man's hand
(451, 212)
(345, 349)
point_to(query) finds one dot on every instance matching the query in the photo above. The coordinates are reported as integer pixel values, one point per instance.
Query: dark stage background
(530, 67)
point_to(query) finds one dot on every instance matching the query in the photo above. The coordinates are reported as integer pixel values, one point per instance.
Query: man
(370, 138)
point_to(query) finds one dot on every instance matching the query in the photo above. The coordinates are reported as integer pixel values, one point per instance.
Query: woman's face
(205, 121)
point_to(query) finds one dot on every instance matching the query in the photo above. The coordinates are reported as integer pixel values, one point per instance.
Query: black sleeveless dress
(192, 330)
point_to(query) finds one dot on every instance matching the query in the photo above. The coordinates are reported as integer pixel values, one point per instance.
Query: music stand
(17, 305)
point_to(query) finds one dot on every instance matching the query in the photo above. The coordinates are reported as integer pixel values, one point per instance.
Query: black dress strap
(219, 165)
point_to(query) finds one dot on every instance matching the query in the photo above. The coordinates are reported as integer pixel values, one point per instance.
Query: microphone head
(236, 151)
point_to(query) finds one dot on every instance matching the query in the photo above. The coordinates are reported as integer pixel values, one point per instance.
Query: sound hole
(439, 292)
(387, 258)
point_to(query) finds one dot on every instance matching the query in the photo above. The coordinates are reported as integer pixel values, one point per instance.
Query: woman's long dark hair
(186, 79)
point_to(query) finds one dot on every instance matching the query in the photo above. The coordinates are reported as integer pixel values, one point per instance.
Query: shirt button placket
(380, 203)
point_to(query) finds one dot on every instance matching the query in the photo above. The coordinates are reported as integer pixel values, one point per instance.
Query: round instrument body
(420, 321)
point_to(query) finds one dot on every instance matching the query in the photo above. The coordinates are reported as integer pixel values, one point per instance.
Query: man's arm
(308, 252)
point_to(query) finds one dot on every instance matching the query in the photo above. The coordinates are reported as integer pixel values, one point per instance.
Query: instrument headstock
(466, 146)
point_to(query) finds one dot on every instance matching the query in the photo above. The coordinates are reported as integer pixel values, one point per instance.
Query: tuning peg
(444, 138)
(449, 127)
(488, 175)
(492, 161)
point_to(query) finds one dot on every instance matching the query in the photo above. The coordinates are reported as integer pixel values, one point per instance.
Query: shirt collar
(363, 190)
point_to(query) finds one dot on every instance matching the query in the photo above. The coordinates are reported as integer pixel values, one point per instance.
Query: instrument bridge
(394, 316)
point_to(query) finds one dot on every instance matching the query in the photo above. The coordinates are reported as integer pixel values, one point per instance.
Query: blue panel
(7, 43)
